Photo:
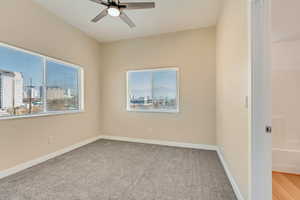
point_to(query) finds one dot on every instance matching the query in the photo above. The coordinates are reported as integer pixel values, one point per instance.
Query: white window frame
(58, 61)
(153, 110)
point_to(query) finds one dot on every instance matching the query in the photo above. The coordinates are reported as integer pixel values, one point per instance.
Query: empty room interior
(124, 100)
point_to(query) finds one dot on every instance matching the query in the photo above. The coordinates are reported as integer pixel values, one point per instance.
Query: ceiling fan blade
(100, 2)
(100, 16)
(127, 20)
(134, 5)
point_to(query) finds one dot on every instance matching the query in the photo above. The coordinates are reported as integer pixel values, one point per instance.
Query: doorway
(285, 80)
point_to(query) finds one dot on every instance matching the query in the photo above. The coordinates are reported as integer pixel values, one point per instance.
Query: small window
(34, 85)
(153, 90)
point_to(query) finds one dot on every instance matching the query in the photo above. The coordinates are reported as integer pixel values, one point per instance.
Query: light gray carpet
(110, 170)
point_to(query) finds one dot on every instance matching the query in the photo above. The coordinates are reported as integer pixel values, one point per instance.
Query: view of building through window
(62, 87)
(22, 88)
(21, 83)
(152, 90)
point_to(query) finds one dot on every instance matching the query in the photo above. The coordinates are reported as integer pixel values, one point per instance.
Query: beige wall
(193, 52)
(27, 25)
(232, 88)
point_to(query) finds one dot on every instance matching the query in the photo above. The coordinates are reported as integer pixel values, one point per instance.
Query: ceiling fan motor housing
(114, 11)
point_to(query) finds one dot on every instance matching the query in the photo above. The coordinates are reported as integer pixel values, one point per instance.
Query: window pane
(165, 90)
(62, 87)
(152, 90)
(140, 90)
(21, 82)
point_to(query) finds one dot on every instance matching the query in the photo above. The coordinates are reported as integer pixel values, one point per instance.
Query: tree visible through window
(152, 90)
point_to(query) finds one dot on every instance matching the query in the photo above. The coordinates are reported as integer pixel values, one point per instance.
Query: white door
(261, 139)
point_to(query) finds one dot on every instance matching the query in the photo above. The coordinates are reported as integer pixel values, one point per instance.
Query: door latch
(269, 129)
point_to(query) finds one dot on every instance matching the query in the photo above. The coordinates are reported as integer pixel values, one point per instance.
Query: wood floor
(286, 186)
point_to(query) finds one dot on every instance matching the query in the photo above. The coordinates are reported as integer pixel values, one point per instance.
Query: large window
(32, 84)
(153, 90)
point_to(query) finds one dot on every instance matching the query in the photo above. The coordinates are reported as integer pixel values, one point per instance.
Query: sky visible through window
(165, 84)
(59, 75)
(30, 66)
(140, 84)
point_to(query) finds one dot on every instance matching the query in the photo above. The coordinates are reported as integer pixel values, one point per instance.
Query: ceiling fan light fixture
(115, 8)
(114, 11)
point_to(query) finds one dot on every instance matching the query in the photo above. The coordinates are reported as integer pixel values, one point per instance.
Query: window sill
(155, 111)
(42, 115)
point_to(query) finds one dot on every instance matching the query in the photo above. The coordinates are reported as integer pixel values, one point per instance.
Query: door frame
(260, 91)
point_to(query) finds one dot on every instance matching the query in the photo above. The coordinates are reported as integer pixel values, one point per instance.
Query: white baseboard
(234, 185)
(160, 142)
(39, 160)
(185, 145)
(286, 160)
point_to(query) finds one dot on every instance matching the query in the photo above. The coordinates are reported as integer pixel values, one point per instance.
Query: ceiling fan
(116, 9)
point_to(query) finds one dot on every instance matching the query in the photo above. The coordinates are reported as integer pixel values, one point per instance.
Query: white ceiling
(285, 20)
(168, 16)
